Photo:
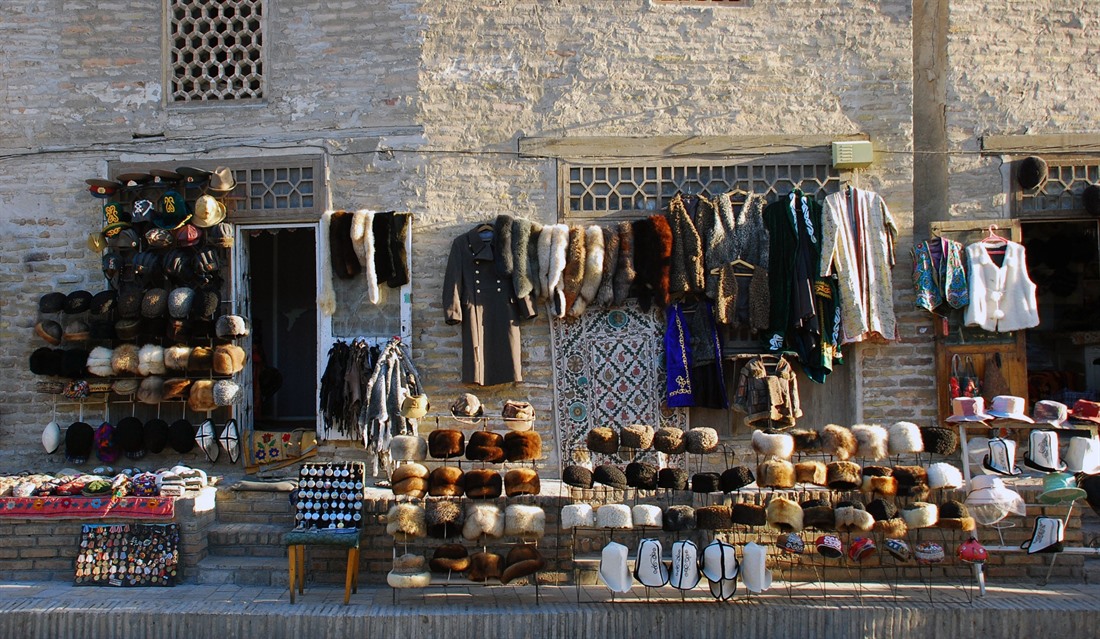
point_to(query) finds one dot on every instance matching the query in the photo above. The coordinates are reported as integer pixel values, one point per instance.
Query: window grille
(216, 50)
(1061, 193)
(708, 3)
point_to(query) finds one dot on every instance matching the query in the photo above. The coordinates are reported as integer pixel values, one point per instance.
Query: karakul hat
(735, 478)
(446, 443)
(446, 481)
(154, 303)
(700, 441)
(409, 479)
(881, 509)
(47, 361)
(843, 475)
(176, 387)
(609, 475)
(201, 396)
(637, 436)
(151, 390)
(231, 327)
(871, 441)
(180, 301)
(649, 569)
(444, 518)
(646, 515)
(103, 302)
(522, 520)
(1031, 172)
(578, 515)
(482, 483)
(672, 478)
(78, 302)
(450, 558)
(155, 435)
(484, 566)
(920, 514)
(944, 475)
(679, 518)
(49, 330)
(74, 362)
(522, 481)
(206, 303)
(749, 514)
(641, 475)
(685, 565)
(181, 436)
(905, 438)
(406, 520)
(817, 513)
(577, 476)
(714, 518)
(227, 392)
(603, 440)
(486, 446)
(51, 303)
(879, 479)
(806, 441)
(128, 328)
(129, 302)
(838, 442)
(208, 440)
(775, 473)
(409, 571)
(702, 483)
(784, 514)
(614, 570)
(852, 517)
(79, 437)
(614, 516)
(523, 560)
(483, 520)
(522, 445)
(51, 438)
(151, 360)
(669, 440)
(779, 445)
(810, 472)
(125, 359)
(912, 481)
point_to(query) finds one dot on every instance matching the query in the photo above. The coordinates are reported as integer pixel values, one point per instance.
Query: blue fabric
(678, 388)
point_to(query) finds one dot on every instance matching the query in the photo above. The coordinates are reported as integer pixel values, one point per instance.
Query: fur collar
(534, 269)
(521, 239)
(624, 272)
(606, 293)
(502, 245)
(593, 269)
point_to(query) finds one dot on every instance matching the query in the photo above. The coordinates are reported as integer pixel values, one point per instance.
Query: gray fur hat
(226, 392)
(231, 327)
(180, 301)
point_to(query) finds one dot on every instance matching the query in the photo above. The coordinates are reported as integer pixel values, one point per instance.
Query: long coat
(483, 302)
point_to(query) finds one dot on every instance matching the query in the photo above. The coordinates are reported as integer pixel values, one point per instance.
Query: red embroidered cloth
(87, 507)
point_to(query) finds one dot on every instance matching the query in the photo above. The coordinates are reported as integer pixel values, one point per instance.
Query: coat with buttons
(483, 303)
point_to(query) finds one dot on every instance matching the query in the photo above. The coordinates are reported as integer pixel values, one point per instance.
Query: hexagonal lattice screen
(217, 48)
(649, 188)
(283, 187)
(1066, 179)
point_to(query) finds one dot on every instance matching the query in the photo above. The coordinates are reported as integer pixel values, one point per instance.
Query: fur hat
(646, 515)
(409, 479)
(155, 435)
(228, 359)
(175, 357)
(603, 440)
(180, 301)
(843, 475)
(1031, 172)
(669, 440)
(678, 518)
(47, 361)
(609, 475)
(201, 396)
(76, 331)
(838, 442)
(944, 475)
(99, 362)
(201, 360)
(941, 441)
(955, 516)
(521, 481)
(810, 472)
(806, 441)
(912, 481)
(523, 560)
(749, 514)
(406, 521)
(231, 327)
(672, 478)
(482, 483)
(700, 441)
(483, 520)
(905, 438)
(226, 392)
(409, 571)
(574, 515)
(485, 566)
(408, 448)
(920, 514)
(879, 479)
(881, 509)
(641, 475)
(521, 520)
(714, 518)
(154, 303)
(636, 436)
(871, 441)
(775, 473)
(577, 476)
(892, 528)
(446, 481)
(176, 387)
(778, 445)
(522, 445)
(151, 390)
(129, 386)
(444, 518)
(126, 359)
(446, 443)
(735, 478)
(818, 514)
(784, 514)
(852, 517)
(450, 558)
(706, 483)
(49, 330)
(614, 516)
(485, 446)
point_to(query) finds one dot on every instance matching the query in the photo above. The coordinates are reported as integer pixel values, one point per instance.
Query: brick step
(247, 539)
(241, 571)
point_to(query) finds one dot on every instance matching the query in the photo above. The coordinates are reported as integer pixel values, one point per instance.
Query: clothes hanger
(992, 237)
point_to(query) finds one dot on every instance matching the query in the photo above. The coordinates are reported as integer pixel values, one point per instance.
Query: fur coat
(686, 262)
(715, 225)
(653, 238)
(606, 294)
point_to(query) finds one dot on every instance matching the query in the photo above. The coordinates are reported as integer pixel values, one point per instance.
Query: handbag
(1046, 537)
(995, 382)
(964, 380)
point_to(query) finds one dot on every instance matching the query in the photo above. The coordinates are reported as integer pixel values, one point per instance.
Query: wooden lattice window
(1067, 177)
(216, 50)
(708, 3)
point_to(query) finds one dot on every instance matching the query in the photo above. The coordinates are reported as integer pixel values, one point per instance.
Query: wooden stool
(296, 542)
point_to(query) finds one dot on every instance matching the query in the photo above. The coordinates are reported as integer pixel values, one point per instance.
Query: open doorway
(282, 295)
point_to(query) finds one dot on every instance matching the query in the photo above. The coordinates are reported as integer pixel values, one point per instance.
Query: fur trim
(522, 481)
(838, 442)
(811, 472)
(818, 517)
(326, 293)
(175, 357)
(151, 360)
(99, 362)
(636, 436)
(614, 516)
(593, 269)
(784, 514)
(714, 518)
(905, 438)
(912, 481)
(446, 481)
(891, 528)
(521, 266)
(749, 515)
(779, 445)
(887, 486)
(450, 558)
(484, 566)
(574, 515)
(679, 518)
(522, 445)
(408, 448)
(843, 475)
(573, 275)
(523, 560)
(870, 441)
(344, 263)
(646, 515)
(851, 519)
(700, 441)
(606, 293)
(521, 520)
(362, 238)
(446, 443)
(775, 473)
(806, 441)
(943, 475)
(482, 483)
(125, 359)
(502, 245)
(920, 514)
(624, 271)
(603, 440)
(534, 270)
(406, 521)
(669, 440)
(483, 519)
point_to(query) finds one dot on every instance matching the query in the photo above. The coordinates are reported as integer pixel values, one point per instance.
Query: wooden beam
(1039, 144)
(673, 146)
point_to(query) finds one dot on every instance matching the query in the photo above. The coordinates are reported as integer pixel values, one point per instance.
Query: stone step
(247, 539)
(242, 571)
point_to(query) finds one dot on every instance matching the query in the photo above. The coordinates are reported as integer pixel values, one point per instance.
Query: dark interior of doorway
(1063, 352)
(283, 292)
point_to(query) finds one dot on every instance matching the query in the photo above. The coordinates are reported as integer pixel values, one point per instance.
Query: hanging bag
(995, 382)
(964, 380)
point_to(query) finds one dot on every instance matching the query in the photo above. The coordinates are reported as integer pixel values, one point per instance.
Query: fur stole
(573, 275)
(326, 294)
(521, 239)
(686, 261)
(593, 269)
(362, 238)
(558, 245)
(664, 254)
(624, 271)
(653, 239)
(502, 245)
(399, 257)
(606, 293)
(534, 271)
(344, 263)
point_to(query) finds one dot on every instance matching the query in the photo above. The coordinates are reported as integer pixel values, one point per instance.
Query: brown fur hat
(444, 518)
(603, 440)
(714, 518)
(749, 515)
(775, 473)
(818, 514)
(482, 483)
(573, 275)
(176, 388)
(843, 475)
(229, 359)
(201, 396)
(955, 515)
(521, 481)
(636, 436)
(852, 517)
(700, 441)
(893, 528)
(484, 566)
(810, 472)
(446, 443)
(523, 560)
(784, 514)
(912, 481)
(669, 440)
(410, 479)
(125, 360)
(201, 359)
(450, 558)
(486, 446)
(880, 480)
(522, 445)
(446, 481)
(838, 442)
(806, 441)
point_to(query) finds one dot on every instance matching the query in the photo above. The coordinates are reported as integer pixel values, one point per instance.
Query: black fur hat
(706, 483)
(609, 475)
(749, 515)
(641, 475)
(1031, 172)
(679, 518)
(941, 441)
(672, 478)
(818, 514)
(74, 363)
(882, 510)
(736, 478)
(577, 476)
(46, 361)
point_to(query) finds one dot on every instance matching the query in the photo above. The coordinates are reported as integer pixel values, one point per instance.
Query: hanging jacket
(767, 396)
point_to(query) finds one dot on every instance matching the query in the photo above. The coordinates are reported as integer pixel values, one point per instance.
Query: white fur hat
(871, 441)
(226, 392)
(905, 438)
(700, 441)
(780, 445)
(614, 516)
(573, 515)
(124, 359)
(406, 521)
(151, 360)
(521, 520)
(408, 448)
(646, 515)
(483, 519)
(409, 571)
(920, 514)
(175, 357)
(99, 362)
(944, 475)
